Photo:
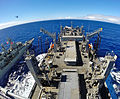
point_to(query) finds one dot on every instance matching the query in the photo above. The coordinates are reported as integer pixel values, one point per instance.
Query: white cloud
(68, 17)
(14, 23)
(97, 17)
(90, 17)
(112, 19)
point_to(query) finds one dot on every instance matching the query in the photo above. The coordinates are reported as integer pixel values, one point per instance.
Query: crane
(94, 33)
(53, 36)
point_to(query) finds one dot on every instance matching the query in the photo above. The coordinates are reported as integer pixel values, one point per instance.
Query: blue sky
(47, 9)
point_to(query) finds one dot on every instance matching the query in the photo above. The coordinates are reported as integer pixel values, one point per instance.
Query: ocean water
(110, 37)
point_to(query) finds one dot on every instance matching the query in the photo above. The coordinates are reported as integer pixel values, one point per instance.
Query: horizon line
(101, 18)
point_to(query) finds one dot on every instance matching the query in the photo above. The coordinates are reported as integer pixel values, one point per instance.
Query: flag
(7, 42)
(11, 42)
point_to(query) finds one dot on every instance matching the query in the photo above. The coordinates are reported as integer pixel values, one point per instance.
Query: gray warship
(9, 57)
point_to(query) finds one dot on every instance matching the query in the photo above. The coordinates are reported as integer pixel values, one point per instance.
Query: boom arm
(53, 36)
(94, 33)
(48, 33)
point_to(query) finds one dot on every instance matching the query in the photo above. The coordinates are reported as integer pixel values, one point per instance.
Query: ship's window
(68, 46)
(65, 43)
(57, 57)
(63, 78)
(60, 54)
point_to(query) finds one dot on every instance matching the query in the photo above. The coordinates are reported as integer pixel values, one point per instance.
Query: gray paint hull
(7, 68)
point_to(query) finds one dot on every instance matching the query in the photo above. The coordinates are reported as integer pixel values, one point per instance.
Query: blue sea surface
(110, 37)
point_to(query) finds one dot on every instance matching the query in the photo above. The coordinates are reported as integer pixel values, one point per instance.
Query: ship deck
(81, 68)
(76, 72)
(82, 65)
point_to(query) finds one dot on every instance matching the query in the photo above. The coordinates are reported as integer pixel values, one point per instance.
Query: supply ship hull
(71, 68)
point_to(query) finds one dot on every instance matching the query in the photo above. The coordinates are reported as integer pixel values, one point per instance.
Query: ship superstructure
(9, 57)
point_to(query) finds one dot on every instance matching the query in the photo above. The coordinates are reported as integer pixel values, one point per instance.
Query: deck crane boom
(94, 33)
(53, 36)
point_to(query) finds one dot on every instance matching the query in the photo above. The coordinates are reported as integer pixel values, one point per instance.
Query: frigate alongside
(9, 57)
(71, 68)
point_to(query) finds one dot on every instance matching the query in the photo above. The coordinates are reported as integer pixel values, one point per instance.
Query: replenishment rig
(71, 68)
